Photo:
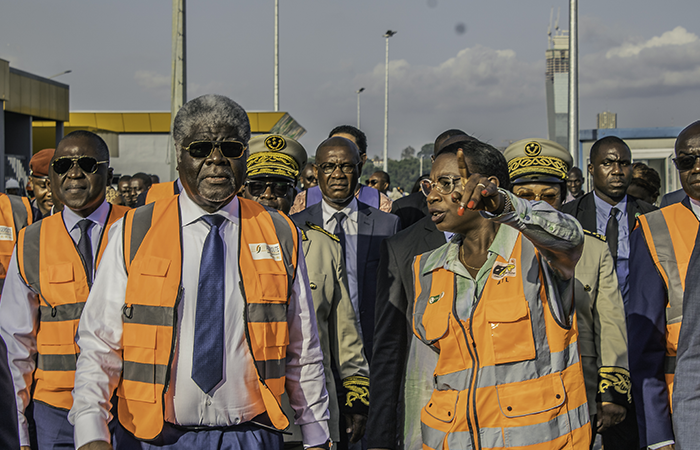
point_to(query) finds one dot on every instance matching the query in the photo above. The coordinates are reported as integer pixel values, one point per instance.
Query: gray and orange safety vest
(15, 214)
(152, 256)
(51, 265)
(161, 190)
(670, 236)
(509, 375)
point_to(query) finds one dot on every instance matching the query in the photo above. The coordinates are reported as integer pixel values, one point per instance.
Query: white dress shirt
(19, 314)
(237, 398)
(350, 227)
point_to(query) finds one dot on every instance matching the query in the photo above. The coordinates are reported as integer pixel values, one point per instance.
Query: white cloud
(151, 80)
(663, 65)
(677, 36)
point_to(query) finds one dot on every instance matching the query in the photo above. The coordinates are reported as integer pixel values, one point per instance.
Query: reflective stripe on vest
(50, 264)
(15, 214)
(161, 190)
(670, 237)
(154, 291)
(510, 374)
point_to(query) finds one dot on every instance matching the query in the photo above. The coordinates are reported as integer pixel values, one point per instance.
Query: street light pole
(59, 74)
(387, 35)
(359, 91)
(573, 81)
(277, 56)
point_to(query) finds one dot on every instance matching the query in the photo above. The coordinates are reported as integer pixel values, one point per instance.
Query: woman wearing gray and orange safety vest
(496, 304)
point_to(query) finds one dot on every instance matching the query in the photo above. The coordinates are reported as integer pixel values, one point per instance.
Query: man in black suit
(360, 227)
(609, 211)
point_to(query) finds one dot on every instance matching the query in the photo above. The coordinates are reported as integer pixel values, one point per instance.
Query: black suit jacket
(410, 209)
(673, 197)
(583, 209)
(373, 227)
(394, 308)
(9, 431)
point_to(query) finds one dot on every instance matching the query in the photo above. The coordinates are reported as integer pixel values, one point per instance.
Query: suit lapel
(587, 217)
(365, 227)
(632, 210)
(433, 237)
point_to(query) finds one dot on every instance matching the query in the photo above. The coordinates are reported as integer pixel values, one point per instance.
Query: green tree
(426, 151)
(408, 152)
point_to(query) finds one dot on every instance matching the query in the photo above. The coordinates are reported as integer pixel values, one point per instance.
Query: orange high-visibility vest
(15, 214)
(510, 374)
(152, 253)
(160, 190)
(670, 236)
(50, 264)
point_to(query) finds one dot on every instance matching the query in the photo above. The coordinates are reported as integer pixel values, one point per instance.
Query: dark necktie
(208, 358)
(85, 246)
(611, 232)
(338, 231)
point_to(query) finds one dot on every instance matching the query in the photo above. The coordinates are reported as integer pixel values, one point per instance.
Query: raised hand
(477, 192)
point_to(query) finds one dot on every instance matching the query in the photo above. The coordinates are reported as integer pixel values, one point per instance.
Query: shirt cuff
(89, 428)
(23, 430)
(315, 433)
(661, 444)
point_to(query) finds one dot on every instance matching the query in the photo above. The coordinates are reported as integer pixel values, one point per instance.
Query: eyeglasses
(202, 149)
(685, 162)
(371, 182)
(87, 164)
(258, 188)
(329, 168)
(444, 185)
(549, 197)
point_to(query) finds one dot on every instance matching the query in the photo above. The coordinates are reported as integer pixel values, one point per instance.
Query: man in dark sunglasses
(208, 293)
(48, 284)
(273, 169)
(664, 359)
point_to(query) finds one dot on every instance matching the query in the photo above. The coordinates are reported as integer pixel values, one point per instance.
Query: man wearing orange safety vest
(15, 214)
(202, 316)
(48, 281)
(661, 247)
(496, 303)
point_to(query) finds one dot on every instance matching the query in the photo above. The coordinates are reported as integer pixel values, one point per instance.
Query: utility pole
(387, 35)
(178, 83)
(359, 91)
(277, 56)
(573, 82)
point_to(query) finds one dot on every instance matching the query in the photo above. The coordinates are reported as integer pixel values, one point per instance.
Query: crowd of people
(262, 302)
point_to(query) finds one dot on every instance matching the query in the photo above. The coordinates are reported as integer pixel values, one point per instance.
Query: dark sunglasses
(371, 182)
(685, 162)
(87, 164)
(202, 149)
(258, 188)
(531, 196)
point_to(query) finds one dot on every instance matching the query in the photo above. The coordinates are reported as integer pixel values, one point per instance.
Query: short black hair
(607, 140)
(577, 171)
(446, 135)
(100, 144)
(124, 178)
(359, 136)
(147, 181)
(484, 159)
(382, 174)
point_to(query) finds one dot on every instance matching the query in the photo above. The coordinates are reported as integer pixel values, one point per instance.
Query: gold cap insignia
(533, 149)
(275, 142)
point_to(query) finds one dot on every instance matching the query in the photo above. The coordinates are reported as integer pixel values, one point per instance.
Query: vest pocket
(442, 406)
(139, 370)
(511, 330)
(531, 397)
(273, 287)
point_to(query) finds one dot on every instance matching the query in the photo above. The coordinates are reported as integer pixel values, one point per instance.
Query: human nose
(216, 155)
(267, 193)
(74, 171)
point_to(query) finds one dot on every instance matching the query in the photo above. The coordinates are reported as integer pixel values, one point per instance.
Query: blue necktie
(208, 358)
(338, 231)
(85, 246)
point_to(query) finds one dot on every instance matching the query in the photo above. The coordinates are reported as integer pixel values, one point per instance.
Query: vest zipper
(172, 343)
(473, 427)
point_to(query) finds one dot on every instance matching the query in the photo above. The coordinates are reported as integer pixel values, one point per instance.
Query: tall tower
(557, 85)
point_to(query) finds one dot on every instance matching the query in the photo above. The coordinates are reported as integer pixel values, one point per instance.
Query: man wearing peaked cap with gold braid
(273, 170)
(538, 171)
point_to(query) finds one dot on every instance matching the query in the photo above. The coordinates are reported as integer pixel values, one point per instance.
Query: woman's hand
(477, 192)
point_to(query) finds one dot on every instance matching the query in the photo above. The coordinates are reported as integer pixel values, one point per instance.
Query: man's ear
(315, 171)
(110, 176)
(495, 181)
(590, 169)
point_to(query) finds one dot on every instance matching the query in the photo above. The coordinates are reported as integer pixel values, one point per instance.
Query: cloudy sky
(475, 65)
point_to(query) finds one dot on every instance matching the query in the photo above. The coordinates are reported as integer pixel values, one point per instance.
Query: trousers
(53, 431)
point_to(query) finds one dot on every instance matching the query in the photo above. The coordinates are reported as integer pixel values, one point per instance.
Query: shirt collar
(605, 207)
(350, 210)
(98, 216)
(192, 212)
(448, 254)
(695, 206)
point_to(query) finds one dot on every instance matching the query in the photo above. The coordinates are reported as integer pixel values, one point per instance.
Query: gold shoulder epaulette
(317, 228)
(303, 235)
(595, 235)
